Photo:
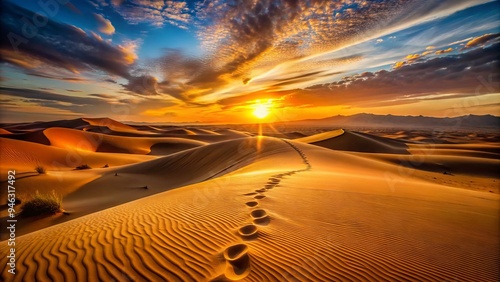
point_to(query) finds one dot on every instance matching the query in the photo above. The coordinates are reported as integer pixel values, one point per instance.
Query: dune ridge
(356, 142)
(95, 142)
(25, 156)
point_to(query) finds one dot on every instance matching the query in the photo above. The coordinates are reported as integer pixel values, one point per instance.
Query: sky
(217, 61)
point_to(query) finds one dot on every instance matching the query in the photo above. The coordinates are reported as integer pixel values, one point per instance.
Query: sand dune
(224, 206)
(4, 131)
(202, 131)
(320, 136)
(25, 156)
(35, 136)
(149, 177)
(231, 132)
(109, 123)
(319, 216)
(74, 123)
(94, 142)
(180, 131)
(356, 142)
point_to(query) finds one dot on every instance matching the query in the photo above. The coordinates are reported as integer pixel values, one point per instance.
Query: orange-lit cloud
(105, 25)
(439, 52)
(483, 39)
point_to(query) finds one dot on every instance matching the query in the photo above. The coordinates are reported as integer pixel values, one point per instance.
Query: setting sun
(261, 110)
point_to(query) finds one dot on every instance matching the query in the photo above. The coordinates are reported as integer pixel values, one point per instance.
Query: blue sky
(212, 61)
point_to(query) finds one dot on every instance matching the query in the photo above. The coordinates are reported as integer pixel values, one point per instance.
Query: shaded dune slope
(35, 136)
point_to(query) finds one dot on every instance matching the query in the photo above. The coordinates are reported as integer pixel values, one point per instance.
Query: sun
(261, 110)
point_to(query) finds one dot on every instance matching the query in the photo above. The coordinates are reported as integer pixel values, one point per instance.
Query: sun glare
(261, 110)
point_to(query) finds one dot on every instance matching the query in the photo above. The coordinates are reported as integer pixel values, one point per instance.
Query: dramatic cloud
(59, 45)
(300, 53)
(468, 74)
(105, 25)
(247, 41)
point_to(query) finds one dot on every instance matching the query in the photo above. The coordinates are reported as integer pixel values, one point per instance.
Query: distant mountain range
(393, 121)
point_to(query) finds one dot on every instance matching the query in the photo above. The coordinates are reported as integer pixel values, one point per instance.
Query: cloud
(154, 12)
(105, 25)
(170, 114)
(144, 85)
(464, 75)
(48, 96)
(257, 39)
(61, 45)
(46, 103)
(439, 52)
(481, 40)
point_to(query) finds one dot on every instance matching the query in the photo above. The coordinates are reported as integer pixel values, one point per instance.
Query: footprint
(250, 194)
(248, 232)
(260, 217)
(251, 203)
(237, 262)
(259, 197)
(269, 186)
(261, 190)
(235, 252)
(274, 179)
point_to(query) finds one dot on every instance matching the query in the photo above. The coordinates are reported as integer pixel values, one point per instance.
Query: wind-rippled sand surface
(267, 209)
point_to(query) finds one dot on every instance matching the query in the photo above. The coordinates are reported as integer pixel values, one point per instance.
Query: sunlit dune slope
(202, 131)
(231, 132)
(25, 156)
(151, 177)
(339, 219)
(213, 159)
(4, 131)
(88, 141)
(320, 136)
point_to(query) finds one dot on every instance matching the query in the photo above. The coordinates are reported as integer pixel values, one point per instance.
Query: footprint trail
(237, 256)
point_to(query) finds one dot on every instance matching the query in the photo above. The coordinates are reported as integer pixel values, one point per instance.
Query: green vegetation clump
(42, 204)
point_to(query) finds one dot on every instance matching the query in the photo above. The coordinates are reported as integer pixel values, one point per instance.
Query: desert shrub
(42, 204)
(83, 166)
(40, 169)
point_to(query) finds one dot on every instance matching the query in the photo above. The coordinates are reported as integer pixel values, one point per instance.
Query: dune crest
(356, 142)
(96, 142)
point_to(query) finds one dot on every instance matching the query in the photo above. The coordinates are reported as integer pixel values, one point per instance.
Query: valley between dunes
(192, 204)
